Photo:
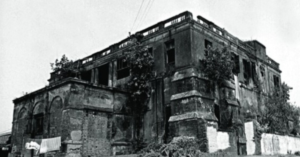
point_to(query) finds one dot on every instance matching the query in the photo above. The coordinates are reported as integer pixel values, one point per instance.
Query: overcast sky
(33, 33)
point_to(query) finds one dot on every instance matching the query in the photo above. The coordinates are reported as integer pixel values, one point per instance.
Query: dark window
(86, 75)
(167, 131)
(247, 71)
(276, 81)
(103, 72)
(207, 44)
(217, 112)
(236, 60)
(38, 123)
(262, 71)
(122, 68)
(253, 70)
(150, 50)
(170, 47)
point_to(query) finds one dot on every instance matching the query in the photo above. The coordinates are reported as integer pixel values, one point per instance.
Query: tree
(59, 65)
(278, 111)
(65, 66)
(141, 62)
(217, 65)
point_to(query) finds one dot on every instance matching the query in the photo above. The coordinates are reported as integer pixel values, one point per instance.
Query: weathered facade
(88, 110)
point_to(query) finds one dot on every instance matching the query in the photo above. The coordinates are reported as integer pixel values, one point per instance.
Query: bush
(179, 146)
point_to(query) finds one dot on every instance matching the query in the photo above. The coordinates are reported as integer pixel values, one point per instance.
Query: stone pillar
(114, 74)
(230, 119)
(111, 74)
(191, 107)
(96, 77)
(93, 76)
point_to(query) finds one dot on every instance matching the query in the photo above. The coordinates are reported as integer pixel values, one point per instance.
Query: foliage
(65, 67)
(218, 64)
(278, 111)
(62, 64)
(141, 62)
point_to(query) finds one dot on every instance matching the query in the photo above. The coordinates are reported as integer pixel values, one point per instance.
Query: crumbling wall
(95, 135)
(71, 131)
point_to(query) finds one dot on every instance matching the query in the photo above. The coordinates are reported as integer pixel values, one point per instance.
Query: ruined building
(87, 111)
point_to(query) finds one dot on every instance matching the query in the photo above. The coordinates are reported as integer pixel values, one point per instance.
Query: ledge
(121, 143)
(232, 102)
(188, 94)
(187, 73)
(64, 82)
(193, 115)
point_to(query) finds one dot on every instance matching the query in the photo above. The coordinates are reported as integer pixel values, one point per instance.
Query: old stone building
(87, 111)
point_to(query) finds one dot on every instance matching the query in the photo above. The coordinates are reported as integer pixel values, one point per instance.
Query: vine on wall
(141, 62)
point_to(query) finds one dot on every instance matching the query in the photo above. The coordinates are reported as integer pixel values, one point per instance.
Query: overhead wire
(144, 16)
(137, 15)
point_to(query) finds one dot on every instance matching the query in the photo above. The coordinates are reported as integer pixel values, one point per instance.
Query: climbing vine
(141, 62)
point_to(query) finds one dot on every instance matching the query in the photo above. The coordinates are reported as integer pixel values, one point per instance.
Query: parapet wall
(277, 144)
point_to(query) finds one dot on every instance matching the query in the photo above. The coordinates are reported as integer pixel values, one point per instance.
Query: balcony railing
(272, 63)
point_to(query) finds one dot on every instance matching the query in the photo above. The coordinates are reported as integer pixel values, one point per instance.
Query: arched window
(55, 116)
(22, 121)
(38, 119)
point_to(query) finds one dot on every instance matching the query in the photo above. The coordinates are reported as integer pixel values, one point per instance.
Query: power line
(137, 14)
(147, 9)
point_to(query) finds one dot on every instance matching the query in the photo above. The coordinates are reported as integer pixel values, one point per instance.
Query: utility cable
(144, 16)
(137, 14)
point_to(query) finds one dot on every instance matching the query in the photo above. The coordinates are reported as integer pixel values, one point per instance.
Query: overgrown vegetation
(217, 64)
(280, 115)
(141, 62)
(61, 64)
(178, 147)
(65, 66)
(182, 146)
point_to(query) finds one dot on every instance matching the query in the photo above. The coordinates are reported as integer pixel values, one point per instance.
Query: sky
(33, 33)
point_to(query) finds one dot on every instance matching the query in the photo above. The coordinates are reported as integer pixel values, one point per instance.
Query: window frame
(38, 123)
(123, 71)
(170, 51)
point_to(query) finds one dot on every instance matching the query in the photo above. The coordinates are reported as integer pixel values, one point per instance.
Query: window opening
(86, 75)
(170, 52)
(236, 60)
(150, 50)
(247, 71)
(122, 68)
(207, 44)
(262, 71)
(39, 123)
(168, 115)
(253, 70)
(217, 112)
(103, 74)
(276, 81)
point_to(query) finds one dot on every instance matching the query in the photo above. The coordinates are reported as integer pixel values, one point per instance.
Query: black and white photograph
(149, 78)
